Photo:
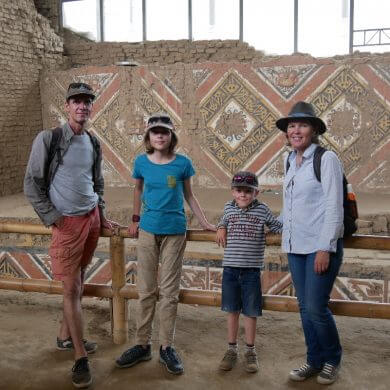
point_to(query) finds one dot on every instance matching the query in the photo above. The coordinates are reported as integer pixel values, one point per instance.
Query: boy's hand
(221, 237)
(133, 229)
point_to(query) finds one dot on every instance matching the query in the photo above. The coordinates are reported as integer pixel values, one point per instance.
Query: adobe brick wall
(83, 51)
(27, 44)
(49, 9)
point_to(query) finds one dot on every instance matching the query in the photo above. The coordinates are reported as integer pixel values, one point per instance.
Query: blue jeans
(313, 293)
(241, 291)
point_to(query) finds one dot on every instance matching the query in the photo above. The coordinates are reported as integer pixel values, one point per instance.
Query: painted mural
(225, 115)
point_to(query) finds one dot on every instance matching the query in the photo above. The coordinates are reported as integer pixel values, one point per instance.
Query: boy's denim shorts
(241, 291)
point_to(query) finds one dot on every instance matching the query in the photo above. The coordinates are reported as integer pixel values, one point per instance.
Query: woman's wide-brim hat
(302, 110)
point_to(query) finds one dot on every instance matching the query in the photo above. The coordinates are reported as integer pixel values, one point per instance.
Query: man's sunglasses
(244, 179)
(79, 85)
(163, 119)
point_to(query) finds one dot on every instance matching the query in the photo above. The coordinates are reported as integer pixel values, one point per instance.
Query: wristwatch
(135, 218)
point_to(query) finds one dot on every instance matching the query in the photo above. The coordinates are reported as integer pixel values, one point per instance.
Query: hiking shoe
(251, 364)
(229, 360)
(303, 372)
(81, 375)
(328, 374)
(172, 361)
(134, 355)
(67, 345)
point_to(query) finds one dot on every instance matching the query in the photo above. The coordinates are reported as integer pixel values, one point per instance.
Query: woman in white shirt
(312, 238)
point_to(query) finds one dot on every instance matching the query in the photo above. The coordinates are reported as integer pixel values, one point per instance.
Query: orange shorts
(72, 245)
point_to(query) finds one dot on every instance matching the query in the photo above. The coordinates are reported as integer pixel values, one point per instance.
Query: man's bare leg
(72, 313)
(64, 333)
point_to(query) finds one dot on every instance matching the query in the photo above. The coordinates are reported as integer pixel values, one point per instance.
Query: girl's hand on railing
(133, 229)
(209, 226)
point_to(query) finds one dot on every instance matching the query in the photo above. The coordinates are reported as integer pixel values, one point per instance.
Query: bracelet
(135, 218)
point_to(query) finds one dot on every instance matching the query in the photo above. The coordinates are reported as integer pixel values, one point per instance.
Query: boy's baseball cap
(245, 179)
(160, 120)
(75, 89)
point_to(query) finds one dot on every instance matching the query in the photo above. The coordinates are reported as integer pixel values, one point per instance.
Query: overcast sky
(268, 24)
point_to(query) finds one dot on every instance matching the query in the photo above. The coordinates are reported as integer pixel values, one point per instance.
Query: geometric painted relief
(238, 121)
(108, 125)
(287, 80)
(272, 173)
(383, 70)
(358, 120)
(203, 275)
(200, 76)
(225, 115)
(379, 179)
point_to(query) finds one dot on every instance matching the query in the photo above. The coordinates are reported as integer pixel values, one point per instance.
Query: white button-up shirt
(313, 211)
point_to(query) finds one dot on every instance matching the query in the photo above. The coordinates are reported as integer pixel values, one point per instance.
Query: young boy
(241, 233)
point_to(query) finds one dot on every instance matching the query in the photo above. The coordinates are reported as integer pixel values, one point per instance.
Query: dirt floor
(119, 203)
(29, 360)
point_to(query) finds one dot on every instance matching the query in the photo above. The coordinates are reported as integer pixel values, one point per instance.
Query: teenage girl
(162, 180)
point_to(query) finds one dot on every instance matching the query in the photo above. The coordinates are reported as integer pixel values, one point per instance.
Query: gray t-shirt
(72, 188)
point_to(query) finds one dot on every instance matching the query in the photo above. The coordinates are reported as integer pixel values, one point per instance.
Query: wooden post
(119, 320)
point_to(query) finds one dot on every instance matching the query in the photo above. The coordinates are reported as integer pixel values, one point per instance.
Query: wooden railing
(119, 291)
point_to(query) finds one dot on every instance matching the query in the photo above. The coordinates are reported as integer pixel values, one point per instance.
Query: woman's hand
(321, 262)
(133, 229)
(220, 238)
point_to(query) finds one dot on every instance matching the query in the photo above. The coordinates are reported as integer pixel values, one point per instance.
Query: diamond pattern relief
(358, 120)
(383, 70)
(238, 121)
(287, 80)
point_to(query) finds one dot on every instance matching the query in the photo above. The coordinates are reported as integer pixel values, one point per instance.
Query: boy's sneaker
(303, 372)
(251, 364)
(67, 345)
(328, 374)
(229, 360)
(134, 355)
(172, 361)
(81, 375)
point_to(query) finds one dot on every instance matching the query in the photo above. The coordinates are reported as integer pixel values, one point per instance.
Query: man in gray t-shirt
(66, 190)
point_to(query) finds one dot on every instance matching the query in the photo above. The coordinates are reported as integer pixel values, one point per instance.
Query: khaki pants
(169, 249)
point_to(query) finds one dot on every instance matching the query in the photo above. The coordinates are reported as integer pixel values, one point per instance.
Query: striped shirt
(245, 233)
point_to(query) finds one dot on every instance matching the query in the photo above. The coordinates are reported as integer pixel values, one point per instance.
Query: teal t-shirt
(162, 198)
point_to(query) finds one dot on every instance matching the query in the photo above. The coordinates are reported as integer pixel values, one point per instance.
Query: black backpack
(350, 207)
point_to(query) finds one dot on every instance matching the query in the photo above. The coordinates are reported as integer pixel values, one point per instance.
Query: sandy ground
(29, 360)
(119, 203)
(28, 326)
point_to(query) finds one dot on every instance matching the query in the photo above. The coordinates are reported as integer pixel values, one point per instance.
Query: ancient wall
(225, 113)
(82, 51)
(27, 43)
(50, 10)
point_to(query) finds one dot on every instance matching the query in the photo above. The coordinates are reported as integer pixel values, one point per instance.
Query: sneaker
(81, 375)
(134, 355)
(67, 345)
(303, 372)
(328, 374)
(172, 361)
(229, 360)
(251, 364)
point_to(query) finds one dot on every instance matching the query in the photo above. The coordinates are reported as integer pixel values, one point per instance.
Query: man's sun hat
(245, 179)
(75, 89)
(302, 110)
(160, 120)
